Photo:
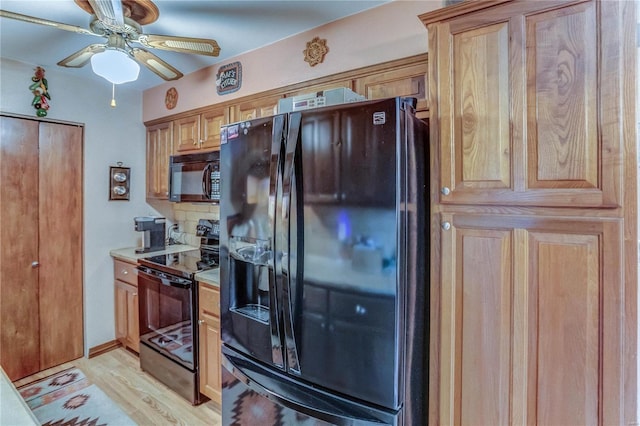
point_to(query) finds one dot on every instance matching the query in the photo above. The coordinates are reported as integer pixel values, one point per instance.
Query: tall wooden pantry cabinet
(40, 245)
(534, 203)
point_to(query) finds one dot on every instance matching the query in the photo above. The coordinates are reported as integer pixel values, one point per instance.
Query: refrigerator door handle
(274, 184)
(293, 362)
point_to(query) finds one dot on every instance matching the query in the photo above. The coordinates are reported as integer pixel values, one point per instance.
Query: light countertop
(129, 254)
(211, 277)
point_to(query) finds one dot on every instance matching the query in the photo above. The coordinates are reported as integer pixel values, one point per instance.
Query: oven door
(166, 312)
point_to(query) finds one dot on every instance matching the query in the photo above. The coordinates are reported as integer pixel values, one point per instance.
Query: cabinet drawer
(363, 310)
(209, 300)
(126, 272)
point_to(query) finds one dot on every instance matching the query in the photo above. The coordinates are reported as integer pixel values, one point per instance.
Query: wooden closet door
(60, 234)
(19, 320)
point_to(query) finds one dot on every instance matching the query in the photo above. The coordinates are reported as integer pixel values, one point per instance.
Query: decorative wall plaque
(229, 78)
(119, 178)
(171, 98)
(315, 51)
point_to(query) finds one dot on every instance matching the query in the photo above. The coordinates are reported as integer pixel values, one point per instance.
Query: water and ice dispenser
(249, 261)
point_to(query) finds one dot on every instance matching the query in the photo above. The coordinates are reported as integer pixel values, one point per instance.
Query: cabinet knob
(200, 322)
(125, 272)
(445, 190)
(446, 226)
(35, 264)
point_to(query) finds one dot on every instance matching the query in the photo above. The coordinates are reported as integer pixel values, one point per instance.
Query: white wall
(110, 135)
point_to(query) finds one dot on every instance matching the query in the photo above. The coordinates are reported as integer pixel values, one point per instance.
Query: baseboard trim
(105, 347)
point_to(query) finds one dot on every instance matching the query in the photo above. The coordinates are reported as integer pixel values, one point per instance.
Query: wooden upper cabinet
(159, 149)
(255, 108)
(514, 91)
(187, 133)
(409, 81)
(529, 321)
(200, 132)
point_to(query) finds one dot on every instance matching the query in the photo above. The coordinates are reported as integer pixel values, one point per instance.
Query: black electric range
(168, 312)
(187, 263)
(184, 264)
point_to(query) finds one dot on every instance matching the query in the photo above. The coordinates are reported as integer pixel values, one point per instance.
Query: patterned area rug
(68, 398)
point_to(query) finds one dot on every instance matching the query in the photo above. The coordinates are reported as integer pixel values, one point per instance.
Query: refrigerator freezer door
(250, 169)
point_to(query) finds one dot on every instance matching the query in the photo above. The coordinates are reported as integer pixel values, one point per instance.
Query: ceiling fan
(120, 22)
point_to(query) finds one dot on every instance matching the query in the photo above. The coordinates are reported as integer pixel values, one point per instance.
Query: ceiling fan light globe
(115, 66)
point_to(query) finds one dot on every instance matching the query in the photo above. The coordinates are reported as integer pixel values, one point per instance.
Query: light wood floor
(144, 399)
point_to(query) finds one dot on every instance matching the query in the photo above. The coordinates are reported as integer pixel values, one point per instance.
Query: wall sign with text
(229, 78)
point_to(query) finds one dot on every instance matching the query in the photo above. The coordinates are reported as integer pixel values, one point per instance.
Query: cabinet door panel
(482, 151)
(526, 107)
(211, 122)
(408, 81)
(261, 107)
(210, 342)
(210, 350)
(60, 293)
(564, 297)
(121, 311)
(562, 87)
(159, 149)
(133, 321)
(476, 325)
(475, 149)
(187, 133)
(529, 326)
(19, 316)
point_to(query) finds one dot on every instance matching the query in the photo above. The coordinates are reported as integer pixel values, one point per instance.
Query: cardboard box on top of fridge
(328, 97)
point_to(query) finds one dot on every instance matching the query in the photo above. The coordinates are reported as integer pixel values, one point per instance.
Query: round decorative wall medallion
(315, 51)
(171, 98)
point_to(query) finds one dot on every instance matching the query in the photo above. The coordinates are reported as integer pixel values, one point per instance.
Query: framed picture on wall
(119, 180)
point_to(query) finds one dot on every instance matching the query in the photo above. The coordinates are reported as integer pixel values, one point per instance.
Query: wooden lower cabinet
(126, 304)
(530, 320)
(210, 342)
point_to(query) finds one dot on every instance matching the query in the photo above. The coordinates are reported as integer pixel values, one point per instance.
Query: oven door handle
(165, 279)
(172, 283)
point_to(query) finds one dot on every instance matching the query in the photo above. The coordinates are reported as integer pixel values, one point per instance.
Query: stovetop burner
(185, 263)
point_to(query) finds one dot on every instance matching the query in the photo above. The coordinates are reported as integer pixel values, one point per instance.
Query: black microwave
(195, 177)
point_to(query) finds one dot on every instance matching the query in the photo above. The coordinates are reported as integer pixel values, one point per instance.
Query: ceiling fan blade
(32, 20)
(198, 46)
(155, 64)
(109, 12)
(81, 57)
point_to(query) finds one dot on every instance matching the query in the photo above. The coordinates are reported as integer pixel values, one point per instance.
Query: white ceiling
(238, 26)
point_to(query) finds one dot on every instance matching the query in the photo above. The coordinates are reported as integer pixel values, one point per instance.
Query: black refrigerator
(324, 267)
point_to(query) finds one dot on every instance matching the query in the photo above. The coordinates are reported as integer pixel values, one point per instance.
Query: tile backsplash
(187, 215)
